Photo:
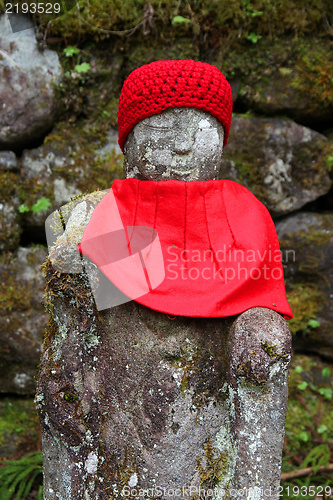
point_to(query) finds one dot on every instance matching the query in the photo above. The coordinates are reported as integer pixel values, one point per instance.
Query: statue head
(174, 119)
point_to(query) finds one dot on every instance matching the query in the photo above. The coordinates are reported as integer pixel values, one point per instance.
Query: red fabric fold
(201, 249)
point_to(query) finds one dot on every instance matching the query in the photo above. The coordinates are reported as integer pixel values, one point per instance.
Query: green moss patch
(8, 185)
(212, 466)
(19, 426)
(102, 19)
(306, 302)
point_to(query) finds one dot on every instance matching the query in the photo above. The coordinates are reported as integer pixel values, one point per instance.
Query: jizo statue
(168, 378)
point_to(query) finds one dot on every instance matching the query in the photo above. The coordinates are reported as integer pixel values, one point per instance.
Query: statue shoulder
(64, 229)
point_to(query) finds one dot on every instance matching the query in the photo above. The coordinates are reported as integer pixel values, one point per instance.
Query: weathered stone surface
(64, 167)
(144, 400)
(22, 319)
(282, 163)
(259, 355)
(28, 108)
(10, 223)
(132, 399)
(111, 146)
(188, 147)
(308, 239)
(287, 77)
(10, 229)
(277, 96)
(139, 54)
(8, 161)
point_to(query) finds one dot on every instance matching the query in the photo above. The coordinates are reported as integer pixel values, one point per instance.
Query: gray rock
(286, 77)
(282, 94)
(40, 169)
(306, 241)
(28, 105)
(111, 146)
(8, 161)
(10, 229)
(22, 319)
(65, 166)
(282, 163)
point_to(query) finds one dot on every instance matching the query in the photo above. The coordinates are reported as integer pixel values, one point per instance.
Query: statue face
(180, 143)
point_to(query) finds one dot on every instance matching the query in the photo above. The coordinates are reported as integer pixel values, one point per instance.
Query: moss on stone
(178, 48)
(306, 302)
(201, 372)
(70, 398)
(19, 425)
(14, 294)
(233, 20)
(31, 190)
(8, 185)
(212, 466)
(318, 238)
(271, 351)
(311, 156)
(314, 73)
(119, 474)
(86, 169)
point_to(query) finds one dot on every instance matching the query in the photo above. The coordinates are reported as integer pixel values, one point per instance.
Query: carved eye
(160, 128)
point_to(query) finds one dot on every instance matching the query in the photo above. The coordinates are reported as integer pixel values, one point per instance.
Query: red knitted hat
(152, 88)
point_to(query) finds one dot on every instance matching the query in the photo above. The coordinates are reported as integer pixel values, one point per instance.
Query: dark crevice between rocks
(19, 147)
(322, 205)
(33, 236)
(322, 126)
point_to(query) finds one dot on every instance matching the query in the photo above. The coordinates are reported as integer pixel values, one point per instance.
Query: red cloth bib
(199, 248)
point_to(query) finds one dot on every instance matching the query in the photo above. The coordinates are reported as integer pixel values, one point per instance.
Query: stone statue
(137, 399)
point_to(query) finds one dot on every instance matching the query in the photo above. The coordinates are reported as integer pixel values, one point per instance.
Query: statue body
(136, 403)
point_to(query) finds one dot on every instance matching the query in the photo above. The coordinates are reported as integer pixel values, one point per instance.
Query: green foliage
(18, 418)
(327, 392)
(252, 37)
(23, 208)
(82, 68)
(313, 323)
(329, 161)
(318, 456)
(250, 10)
(40, 206)
(71, 51)
(18, 477)
(180, 20)
(308, 426)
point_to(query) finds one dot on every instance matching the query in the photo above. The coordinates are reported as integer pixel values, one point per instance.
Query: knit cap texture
(154, 87)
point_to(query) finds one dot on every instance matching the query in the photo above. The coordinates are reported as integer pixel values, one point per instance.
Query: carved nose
(183, 144)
